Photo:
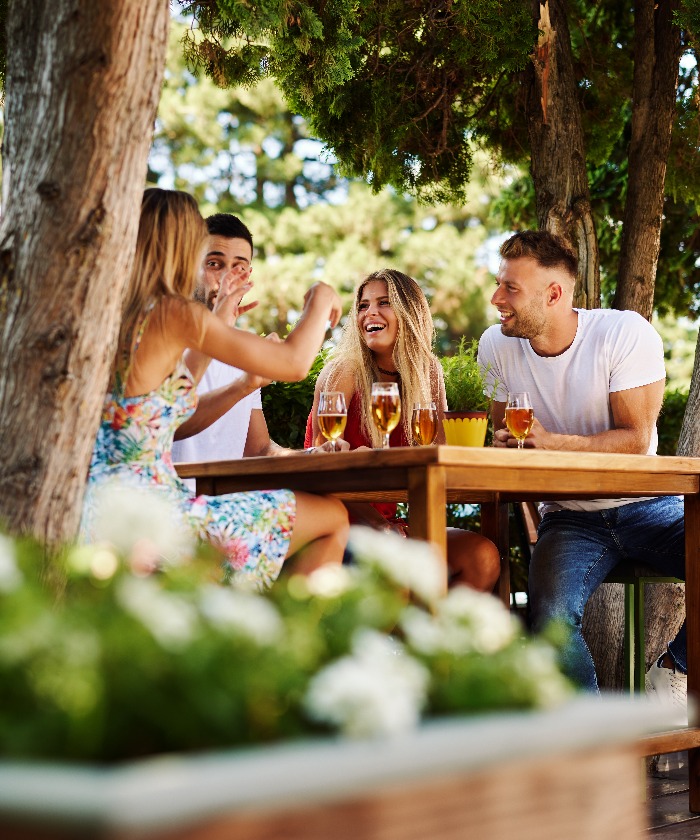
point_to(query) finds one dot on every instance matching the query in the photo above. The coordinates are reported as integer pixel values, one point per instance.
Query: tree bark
(657, 52)
(82, 88)
(558, 156)
(603, 625)
(563, 206)
(689, 438)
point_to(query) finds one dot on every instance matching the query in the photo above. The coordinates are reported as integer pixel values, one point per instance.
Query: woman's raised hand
(321, 294)
(233, 287)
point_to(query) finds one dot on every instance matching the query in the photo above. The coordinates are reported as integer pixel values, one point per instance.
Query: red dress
(355, 437)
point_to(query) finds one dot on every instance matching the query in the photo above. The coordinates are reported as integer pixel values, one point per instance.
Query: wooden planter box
(570, 773)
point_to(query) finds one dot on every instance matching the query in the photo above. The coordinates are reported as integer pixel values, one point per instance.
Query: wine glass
(424, 423)
(519, 415)
(386, 408)
(332, 415)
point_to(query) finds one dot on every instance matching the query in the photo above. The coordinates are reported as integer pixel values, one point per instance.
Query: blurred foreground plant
(125, 663)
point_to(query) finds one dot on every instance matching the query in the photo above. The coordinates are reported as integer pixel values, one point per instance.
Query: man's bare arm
(634, 411)
(259, 441)
(214, 404)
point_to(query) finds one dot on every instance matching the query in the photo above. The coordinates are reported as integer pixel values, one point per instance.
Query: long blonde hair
(412, 354)
(168, 251)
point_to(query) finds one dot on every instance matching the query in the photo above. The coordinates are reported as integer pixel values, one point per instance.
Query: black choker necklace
(388, 372)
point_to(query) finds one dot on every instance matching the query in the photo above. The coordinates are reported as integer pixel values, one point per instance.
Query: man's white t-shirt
(612, 351)
(225, 439)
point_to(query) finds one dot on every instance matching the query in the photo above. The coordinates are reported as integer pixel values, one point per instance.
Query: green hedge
(670, 421)
(286, 406)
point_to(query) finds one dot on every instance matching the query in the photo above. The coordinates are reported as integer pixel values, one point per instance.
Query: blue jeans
(576, 550)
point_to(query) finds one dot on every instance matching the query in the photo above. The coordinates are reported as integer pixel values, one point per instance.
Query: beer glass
(386, 408)
(332, 415)
(424, 423)
(519, 415)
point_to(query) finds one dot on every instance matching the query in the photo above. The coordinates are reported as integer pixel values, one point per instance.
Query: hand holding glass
(332, 415)
(386, 408)
(424, 423)
(519, 416)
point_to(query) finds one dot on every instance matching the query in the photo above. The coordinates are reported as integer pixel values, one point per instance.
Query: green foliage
(233, 147)
(397, 89)
(465, 382)
(403, 92)
(123, 665)
(286, 406)
(670, 420)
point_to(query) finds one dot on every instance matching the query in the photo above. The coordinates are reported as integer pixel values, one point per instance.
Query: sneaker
(670, 687)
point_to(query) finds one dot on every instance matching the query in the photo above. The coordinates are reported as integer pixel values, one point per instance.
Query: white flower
(171, 620)
(141, 523)
(377, 690)
(465, 621)
(243, 613)
(10, 575)
(536, 666)
(329, 581)
(409, 563)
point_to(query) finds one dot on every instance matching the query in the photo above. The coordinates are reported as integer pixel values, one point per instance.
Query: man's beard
(207, 298)
(528, 323)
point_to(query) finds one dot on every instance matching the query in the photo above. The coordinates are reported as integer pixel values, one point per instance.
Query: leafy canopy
(397, 89)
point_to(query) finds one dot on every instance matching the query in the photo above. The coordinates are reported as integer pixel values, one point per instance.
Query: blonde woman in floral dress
(153, 392)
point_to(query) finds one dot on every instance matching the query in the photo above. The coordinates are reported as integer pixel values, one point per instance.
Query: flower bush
(122, 663)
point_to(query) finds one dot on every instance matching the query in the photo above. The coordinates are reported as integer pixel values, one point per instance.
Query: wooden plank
(692, 611)
(494, 525)
(474, 459)
(585, 795)
(667, 742)
(426, 505)
(541, 483)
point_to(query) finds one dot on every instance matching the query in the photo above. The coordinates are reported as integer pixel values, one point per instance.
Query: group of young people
(596, 379)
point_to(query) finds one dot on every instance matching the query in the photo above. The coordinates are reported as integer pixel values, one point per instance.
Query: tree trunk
(689, 438)
(563, 206)
(558, 157)
(603, 625)
(83, 82)
(657, 52)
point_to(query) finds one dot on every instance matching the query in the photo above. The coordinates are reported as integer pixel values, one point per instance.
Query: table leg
(494, 525)
(427, 499)
(692, 612)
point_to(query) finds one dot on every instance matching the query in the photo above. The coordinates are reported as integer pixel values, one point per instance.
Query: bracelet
(310, 450)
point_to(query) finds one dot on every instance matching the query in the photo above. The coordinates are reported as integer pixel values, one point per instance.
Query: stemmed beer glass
(519, 415)
(386, 408)
(332, 415)
(424, 423)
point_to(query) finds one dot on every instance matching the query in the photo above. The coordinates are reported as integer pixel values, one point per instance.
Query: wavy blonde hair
(168, 252)
(412, 355)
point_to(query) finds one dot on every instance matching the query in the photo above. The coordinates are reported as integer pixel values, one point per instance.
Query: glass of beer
(332, 415)
(386, 408)
(424, 423)
(519, 416)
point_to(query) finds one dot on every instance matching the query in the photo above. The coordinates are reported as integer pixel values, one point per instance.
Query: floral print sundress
(252, 530)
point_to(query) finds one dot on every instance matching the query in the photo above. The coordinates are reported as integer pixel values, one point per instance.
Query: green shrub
(670, 421)
(464, 381)
(286, 406)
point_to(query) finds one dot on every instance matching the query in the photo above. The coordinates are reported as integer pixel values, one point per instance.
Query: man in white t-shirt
(596, 380)
(229, 421)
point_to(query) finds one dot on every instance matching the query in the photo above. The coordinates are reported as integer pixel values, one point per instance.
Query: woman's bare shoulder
(185, 318)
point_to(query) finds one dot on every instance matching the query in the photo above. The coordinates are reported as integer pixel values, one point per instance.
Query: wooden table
(428, 477)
